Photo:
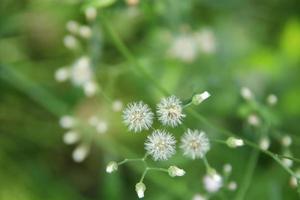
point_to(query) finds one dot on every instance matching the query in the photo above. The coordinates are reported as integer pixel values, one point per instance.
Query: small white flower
(232, 186)
(175, 171)
(199, 98)
(286, 141)
(80, 153)
(111, 167)
(246, 93)
(70, 42)
(117, 106)
(264, 143)
(195, 144)
(199, 197)
(160, 145)
(62, 74)
(90, 13)
(140, 189)
(71, 137)
(233, 142)
(90, 88)
(212, 182)
(169, 111)
(253, 120)
(227, 168)
(101, 126)
(138, 116)
(85, 31)
(81, 71)
(72, 27)
(272, 99)
(67, 121)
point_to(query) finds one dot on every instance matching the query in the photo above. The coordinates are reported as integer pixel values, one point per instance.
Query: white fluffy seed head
(81, 72)
(160, 145)
(138, 116)
(212, 182)
(195, 144)
(169, 111)
(62, 74)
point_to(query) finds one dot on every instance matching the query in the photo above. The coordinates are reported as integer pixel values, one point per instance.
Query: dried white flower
(117, 106)
(67, 121)
(253, 120)
(111, 167)
(272, 99)
(70, 42)
(85, 31)
(199, 98)
(169, 111)
(175, 171)
(160, 145)
(264, 143)
(62, 74)
(195, 144)
(72, 27)
(138, 116)
(212, 182)
(80, 153)
(71, 137)
(90, 13)
(90, 88)
(246, 93)
(81, 71)
(233, 142)
(140, 189)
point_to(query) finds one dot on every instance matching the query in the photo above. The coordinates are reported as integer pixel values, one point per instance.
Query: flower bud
(80, 153)
(246, 93)
(232, 186)
(175, 171)
(111, 167)
(227, 168)
(90, 13)
(199, 98)
(272, 99)
(62, 74)
(71, 137)
(140, 189)
(233, 142)
(264, 143)
(66, 121)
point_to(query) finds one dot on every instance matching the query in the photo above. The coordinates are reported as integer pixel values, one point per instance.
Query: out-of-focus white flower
(264, 143)
(117, 106)
(253, 120)
(199, 98)
(93, 120)
(272, 99)
(212, 182)
(175, 171)
(160, 145)
(232, 186)
(85, 31)
(234, 142)
(138, 116)
(70, 42)
(111, 167)
(286, 141)
(140, 189)
(81, 71)
(287, 162)
(90, 13)
(227, 168)
(71, 137)
(206, 41)
(72, 27)
(90, 88)
(62, 74)
(80, 153)
(246, 93)
(101, 126)
(199, 197)
(169, 111)
(67, 121)
(195, 144)
(293, 182)
(184, 48)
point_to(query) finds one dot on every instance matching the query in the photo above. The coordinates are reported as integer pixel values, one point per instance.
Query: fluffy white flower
(81, 71)
(138, 116)
(62, 74)
(212, 182)
(169, 111)
(160, 145)
(80, 153)
(195, 144)
(71, 137)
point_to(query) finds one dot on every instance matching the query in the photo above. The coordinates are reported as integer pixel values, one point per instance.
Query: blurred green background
(257, 44)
